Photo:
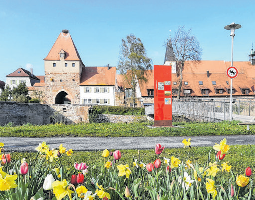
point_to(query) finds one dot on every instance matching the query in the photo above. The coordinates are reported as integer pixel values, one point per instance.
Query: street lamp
(232, 27)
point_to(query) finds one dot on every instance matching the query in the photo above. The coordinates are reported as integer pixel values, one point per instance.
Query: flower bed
(165, 176)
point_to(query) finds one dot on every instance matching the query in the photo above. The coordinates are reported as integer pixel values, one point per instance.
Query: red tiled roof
(63, 42)
(98, 76)
(197, 71)
(20, 72)
(41, 83)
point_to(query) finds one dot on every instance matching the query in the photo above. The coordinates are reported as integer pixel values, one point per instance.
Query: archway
(62, 99)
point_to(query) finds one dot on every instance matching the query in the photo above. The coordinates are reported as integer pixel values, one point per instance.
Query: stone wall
(39, 114)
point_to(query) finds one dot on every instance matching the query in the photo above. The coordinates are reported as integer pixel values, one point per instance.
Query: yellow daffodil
(62, 149)
(108, 164)
(42, 148)
(101, 193)
(51, 154)
(8, 182)
(81, 191)
(212, 171)
(226, 167)
(186, 143)
(60, 189)
(210, 187)
(2, 173)
(1, 146)
(188, 163)
(223, 147)
(69, 152)
(106, 153)
(242, 181)
(175, 162)
(124, 170)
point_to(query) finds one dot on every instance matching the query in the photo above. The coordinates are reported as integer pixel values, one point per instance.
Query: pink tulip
(149, 167)
(157, 163)
(159, 149)
(24, 168)
(248, 171)
(117, 155)
(81, 166)
(232, 191)
(6, 157)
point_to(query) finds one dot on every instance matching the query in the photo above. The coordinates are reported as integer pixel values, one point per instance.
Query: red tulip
(159, 149)
(219, 156)
(117, 155)
(168, 169)
(24, 168)
(73, 179)
(248, 171)
(80, 178)
(149, 167)
(157, 163)
(6, 157)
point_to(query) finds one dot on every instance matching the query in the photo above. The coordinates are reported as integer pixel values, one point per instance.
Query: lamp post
(232, 27)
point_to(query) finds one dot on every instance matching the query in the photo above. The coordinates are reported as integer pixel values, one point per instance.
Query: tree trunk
(180, 83)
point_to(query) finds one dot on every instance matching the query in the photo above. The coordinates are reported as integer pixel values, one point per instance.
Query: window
(185, 83)
(97, 101)
(105, 90)
(87, 89)
(73, 64)
(214, 82)
(13, 81)
(186, 91)
(227, 82)
(233, 91)
(205, 91)
(174, 91)
(65, 64)
(85, 101)
(200, 82)
(128, 93)
(105, 101)
(96, 89)
(89, 101)
(245, 91)
(19, 72)
(60, 80)
(150, 92)
(175, 83)
(22, 81)
(54, 64)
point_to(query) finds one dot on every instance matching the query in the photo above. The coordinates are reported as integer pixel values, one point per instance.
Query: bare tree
(133, 63)
(185, 47)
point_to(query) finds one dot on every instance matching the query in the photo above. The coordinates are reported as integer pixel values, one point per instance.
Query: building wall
(18, 80)
(108, 94)
(61, 67)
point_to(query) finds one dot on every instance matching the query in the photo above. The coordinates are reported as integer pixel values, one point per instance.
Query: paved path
(101, 143)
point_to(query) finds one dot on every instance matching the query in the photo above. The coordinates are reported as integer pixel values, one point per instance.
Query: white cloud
(29, 66)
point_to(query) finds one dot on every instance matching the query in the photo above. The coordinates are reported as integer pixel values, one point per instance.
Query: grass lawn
(126, 130)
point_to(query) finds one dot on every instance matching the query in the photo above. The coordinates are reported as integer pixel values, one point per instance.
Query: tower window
(73, 64)
(54, 64)
(185, 83)
(214, 82)
(200, 82)
(65, 64)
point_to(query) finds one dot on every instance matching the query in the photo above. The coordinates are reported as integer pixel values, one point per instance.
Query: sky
(29, 28)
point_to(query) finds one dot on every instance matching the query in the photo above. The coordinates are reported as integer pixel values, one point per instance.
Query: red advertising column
(162, 95)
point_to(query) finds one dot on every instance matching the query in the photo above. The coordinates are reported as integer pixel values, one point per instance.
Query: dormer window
(62, 54)
(19, 72)
(175, 83)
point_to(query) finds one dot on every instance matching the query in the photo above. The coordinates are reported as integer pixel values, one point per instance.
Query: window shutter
(84, 89)
(108, 89)
(95, 90)
(108, 101)
(101, 90)
(101, 101)
(93, 100)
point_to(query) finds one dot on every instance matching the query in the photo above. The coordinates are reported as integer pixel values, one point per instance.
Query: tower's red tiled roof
(63, 42)
(98, 76)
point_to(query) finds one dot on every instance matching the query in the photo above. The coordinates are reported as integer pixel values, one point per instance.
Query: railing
(213, 110)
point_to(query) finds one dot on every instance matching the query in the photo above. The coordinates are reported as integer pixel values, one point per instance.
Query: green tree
(133, 63)
(20, 93)
(185, 47)
(6, 94)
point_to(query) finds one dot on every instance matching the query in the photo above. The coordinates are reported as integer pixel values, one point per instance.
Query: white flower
(47, 185)
(88, 195)
(187, 182)
(85, 171)
(166, 160)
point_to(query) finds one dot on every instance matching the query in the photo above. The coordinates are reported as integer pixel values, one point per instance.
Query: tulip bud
(105, 153)
(220, 156)
(127, 192)
(73, 179)
(59, 154)
(117, 155)
(248, 171)
(168, 169)
(80, 178)
(149, 167)
(157, 163)
(24, 168)
(6, 158)
(47, 185)
(158, 149)
(232, 191)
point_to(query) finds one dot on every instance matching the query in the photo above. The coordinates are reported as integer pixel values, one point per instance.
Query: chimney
(108, 66)
(208, 74)
(65, 31)
(31, 70)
